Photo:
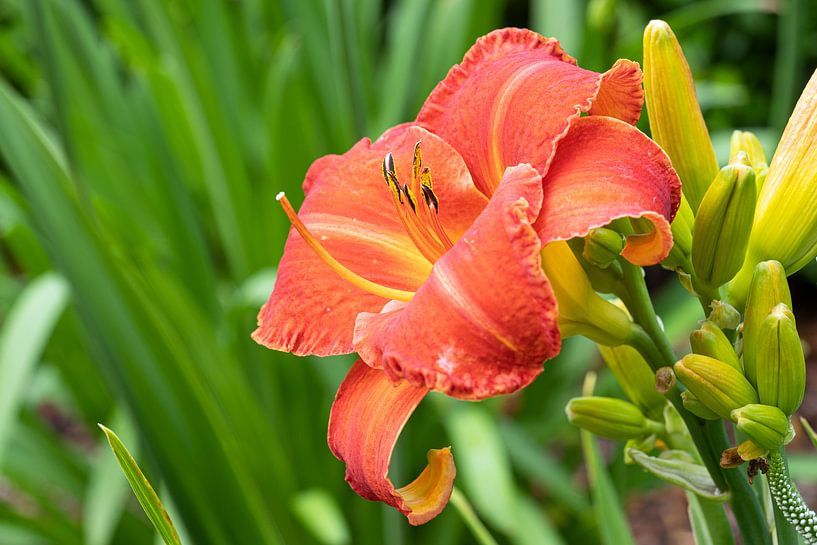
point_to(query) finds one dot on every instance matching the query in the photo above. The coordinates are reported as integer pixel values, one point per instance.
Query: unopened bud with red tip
(781, 366)
(767, 426)
(675, 116)
(723, 225)
(709, 340)
(718, 385)
(610, 417)
(768, 289)
(602, 247)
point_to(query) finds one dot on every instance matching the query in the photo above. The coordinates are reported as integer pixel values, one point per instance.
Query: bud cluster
(761, 388)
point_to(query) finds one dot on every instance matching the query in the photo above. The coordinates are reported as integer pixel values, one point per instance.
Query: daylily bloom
(421, 251)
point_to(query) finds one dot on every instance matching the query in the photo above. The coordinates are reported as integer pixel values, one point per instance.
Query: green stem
(745, 505)
(480, 532)
(709, 437)
(788, 499)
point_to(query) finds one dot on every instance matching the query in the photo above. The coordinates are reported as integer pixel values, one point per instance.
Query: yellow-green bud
(723, 225)
(723, 315)
(609, 280)
(602, 247)
(582, 311)
(681, 227)
(694, 405)
(718, 385)
(785, 226)
(768, 289)
(709, 340)
(748, 143)
(780, 364)
(767, 426)
(635, 377)
(609, 417)
(675, 116)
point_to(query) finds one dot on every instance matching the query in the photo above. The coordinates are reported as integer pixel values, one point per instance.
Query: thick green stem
(745, 505)
(709, 437)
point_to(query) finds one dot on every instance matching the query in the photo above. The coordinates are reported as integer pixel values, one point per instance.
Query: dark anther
(409, 199)
(755, 466)
(431, 198)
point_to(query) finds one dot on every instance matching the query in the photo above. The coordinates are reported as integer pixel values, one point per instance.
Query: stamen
(348, 275)
(423, 226)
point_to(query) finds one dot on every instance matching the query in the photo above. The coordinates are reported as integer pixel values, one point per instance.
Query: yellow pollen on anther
(348, 275)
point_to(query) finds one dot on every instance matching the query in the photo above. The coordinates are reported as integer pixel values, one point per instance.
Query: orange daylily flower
(421, 251)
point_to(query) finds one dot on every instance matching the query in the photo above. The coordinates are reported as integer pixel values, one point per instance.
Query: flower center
(419, 217)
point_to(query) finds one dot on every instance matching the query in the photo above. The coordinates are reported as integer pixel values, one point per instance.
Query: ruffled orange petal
(485, 320)
(513, 97)
(606, 169)
(367, 417)
(349, 210)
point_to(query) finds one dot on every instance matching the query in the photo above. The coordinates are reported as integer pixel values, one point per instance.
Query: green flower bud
(681, 227)
(635, 377)
(718, 385)
(748, 143)
(709, 340)
(723, 315)
(602, 247)
(609, 417)
(608, 280)
(767, 426)
(780, 364)
(694, 405)
(675, 116)
(768, 289)
(723, 225)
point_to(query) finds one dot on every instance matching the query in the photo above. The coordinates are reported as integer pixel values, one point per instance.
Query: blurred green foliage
(142, 145)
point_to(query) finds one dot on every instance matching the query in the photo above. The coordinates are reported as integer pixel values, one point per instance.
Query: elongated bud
(675, 116)
(709, 340)
(681, 227)
(767, 426)
(781, 367)
(785, 226)
(768, 289)
(609, 417)
(635, 377)
(602, 247)
(718, 385)
(582, 311)
(747, 143)
(723, 315)
(694, 405)
(723, 225)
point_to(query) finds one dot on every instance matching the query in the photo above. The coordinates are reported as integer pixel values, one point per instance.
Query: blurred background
(142, 143)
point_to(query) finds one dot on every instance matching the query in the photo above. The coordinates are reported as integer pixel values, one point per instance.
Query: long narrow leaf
(141, 488)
